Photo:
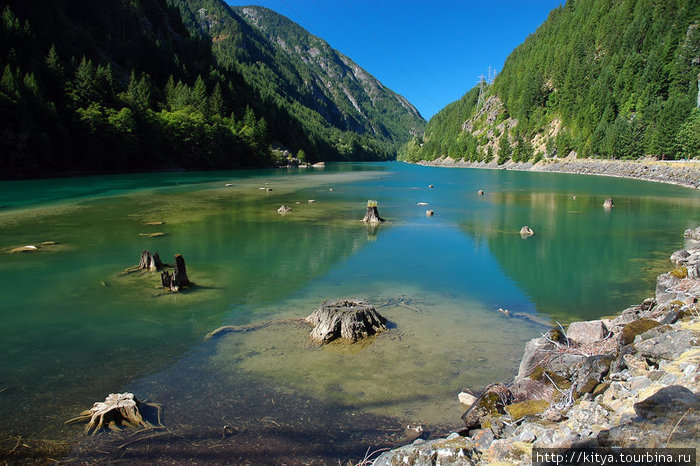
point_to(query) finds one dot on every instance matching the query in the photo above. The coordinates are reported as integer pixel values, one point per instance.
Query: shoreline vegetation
(630, 381)
(680, 172)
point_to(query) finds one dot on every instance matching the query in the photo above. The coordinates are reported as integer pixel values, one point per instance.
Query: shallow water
(74, 329)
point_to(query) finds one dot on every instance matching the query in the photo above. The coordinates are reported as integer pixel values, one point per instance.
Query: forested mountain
(332, 96)
(153, 84)
(604, 78)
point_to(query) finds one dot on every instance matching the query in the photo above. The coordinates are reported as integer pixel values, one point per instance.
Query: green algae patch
(527, 408)
(631, 330)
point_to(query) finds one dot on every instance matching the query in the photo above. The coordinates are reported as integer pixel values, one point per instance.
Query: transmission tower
(482, 91)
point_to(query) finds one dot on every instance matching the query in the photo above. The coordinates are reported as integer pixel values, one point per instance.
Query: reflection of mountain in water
(584, 261)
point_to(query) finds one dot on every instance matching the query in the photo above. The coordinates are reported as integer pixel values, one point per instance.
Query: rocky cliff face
(631, 381)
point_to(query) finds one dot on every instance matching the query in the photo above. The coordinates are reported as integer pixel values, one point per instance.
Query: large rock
(491, 402)
(350, 319)
(586, 332)
(671, 413)
(680, 257)
(537, 350)
(668, 345)
(450, 450)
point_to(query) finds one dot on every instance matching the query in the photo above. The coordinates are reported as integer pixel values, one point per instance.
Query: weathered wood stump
(608, 204)
(150, 261)
(284, 210)
(178, 279)
(372, 215)
(526, 231)
(117, 410)
(349, 319)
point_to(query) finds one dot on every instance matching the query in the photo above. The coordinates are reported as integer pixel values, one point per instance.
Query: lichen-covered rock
(491, 402)
(350, 319)
(680, 257)
(668, 345)
(454, 450)
(631, 330)
(526, 408)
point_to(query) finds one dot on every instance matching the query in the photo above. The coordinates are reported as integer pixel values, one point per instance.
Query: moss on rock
(526, 408)
(635, 328)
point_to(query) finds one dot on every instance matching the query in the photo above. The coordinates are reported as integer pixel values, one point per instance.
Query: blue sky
(431, 52)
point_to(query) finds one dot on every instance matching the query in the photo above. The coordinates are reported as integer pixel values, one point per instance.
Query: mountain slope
(341, 87)
(151, 84)
(333, 97)
(609, 78)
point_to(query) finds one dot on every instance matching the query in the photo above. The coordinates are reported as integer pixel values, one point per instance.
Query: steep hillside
(113, 85)
(343, 92)
(335, 100)
(157, 84)
(606, 78)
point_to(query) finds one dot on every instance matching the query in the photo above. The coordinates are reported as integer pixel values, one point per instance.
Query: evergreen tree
(504, 148)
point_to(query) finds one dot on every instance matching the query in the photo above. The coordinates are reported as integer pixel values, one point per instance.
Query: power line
(387, 20)
(417, 86)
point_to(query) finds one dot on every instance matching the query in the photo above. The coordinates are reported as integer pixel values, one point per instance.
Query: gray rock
(492, 401)
(536, 351)
(586, 332)
(565, 364)
(595, 367)
(680, 257)
(456, 451)
(662, 404)
(668, 345)
(664, 288)
(692, 234)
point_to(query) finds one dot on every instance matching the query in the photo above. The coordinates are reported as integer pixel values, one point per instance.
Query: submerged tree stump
(117, 410)
(178, 279)
(345, 318)
(150, 261)
(372, 216)
(608, 204)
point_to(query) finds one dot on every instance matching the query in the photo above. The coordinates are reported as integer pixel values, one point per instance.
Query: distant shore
(682, 172)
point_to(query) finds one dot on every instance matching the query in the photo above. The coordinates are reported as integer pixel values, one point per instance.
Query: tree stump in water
(372, 216)
(345, 318)
(150, 261)
(608, 204)
(117, 410)
(179, 277)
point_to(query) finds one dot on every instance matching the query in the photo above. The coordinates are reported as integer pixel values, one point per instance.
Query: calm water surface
(74, 329)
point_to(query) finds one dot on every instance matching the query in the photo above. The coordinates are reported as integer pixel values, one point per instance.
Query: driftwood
(250, 327)
(372, 216)
(148, 261)
(345, 318)
(118, 410)
(178, 279)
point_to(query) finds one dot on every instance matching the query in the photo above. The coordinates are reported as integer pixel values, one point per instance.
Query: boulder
(680, 257)
(349, 319)
(692, 234)
(536, 351)
(667, 346)
(492, 401)
(586, 332)
(466, 398)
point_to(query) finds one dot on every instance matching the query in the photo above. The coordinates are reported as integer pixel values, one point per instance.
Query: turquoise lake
(75, 329)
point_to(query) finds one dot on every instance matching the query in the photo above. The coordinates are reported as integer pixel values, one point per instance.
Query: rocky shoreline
(682, 173)
(628, 381)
